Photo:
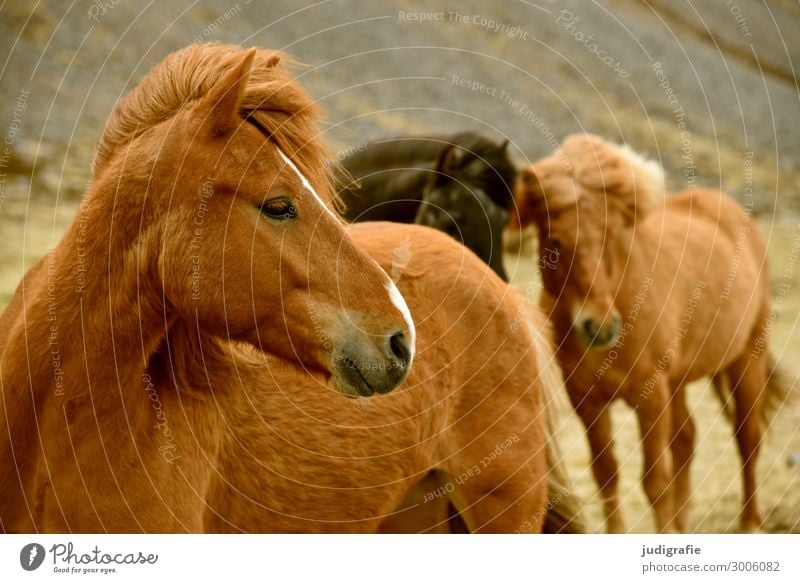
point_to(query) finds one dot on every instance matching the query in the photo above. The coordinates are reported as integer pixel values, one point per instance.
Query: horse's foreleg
(499, 481)
(597, 421)
(514, 503)
(655, 426)
(748, 379)
(682, 444)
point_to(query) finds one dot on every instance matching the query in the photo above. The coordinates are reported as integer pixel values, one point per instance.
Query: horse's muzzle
(600, 335)
(365, 371)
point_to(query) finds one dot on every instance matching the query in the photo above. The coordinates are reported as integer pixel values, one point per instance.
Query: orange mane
(602, 167)
(273, 100)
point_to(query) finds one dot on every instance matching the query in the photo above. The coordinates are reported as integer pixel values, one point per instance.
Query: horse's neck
(407, 185)
(642, 245)
(93, 299)
(79, 330)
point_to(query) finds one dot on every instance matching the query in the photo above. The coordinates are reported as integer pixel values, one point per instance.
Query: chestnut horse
(647, 294)
(295, 457)
(194, 216)
(177, 362)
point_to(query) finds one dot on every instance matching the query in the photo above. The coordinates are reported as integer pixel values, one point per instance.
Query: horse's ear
(503, 146)
(529, 202)
(450, 159)
(220, 106)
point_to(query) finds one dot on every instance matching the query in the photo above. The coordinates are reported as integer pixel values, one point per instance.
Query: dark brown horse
(460, 184)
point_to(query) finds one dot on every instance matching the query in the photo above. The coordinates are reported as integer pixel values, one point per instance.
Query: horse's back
(723, 225)
(425, 260)
(714, 261)
(714, 206)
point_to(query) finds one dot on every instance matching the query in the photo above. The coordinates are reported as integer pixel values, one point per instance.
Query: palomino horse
(647, 294)
(460, 184)
(177, 362)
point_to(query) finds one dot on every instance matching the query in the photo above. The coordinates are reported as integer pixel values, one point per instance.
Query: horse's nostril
(399, 346)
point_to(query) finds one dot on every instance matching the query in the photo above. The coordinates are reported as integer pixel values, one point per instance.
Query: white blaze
(400, 303)
(394, 294)
(304, 181)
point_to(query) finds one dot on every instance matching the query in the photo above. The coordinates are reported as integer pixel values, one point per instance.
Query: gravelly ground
(730, 66)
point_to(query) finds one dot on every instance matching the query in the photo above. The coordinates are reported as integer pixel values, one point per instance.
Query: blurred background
(708, 88)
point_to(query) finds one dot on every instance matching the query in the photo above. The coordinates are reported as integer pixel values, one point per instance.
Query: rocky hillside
(709, 88)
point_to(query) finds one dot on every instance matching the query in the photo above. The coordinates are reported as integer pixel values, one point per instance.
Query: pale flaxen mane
(273, 99)
(617, 171)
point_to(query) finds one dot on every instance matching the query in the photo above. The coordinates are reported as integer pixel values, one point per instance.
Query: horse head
(240, 234)
(582, 200)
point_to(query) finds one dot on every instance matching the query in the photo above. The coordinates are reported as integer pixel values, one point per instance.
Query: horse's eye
(554, 243)
(279, 209)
